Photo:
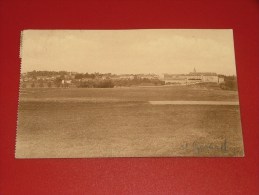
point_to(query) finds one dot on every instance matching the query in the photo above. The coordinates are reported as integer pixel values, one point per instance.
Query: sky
(139, 51)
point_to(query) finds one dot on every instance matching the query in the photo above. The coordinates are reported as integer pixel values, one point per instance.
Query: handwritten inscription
(199, 147)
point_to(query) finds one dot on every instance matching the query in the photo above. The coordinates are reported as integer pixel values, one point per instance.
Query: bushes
(105, 84)
(41, 84)
(97, 84)
(108, 83)
(230, 83)
(138, 82)
(58, 82)
(23, 85)
(49, 85)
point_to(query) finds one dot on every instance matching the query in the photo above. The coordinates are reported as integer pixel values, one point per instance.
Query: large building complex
(193, 77)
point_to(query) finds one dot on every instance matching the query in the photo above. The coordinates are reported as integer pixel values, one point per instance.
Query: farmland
(121, 122)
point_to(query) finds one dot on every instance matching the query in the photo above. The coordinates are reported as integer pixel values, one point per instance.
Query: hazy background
(129, 51)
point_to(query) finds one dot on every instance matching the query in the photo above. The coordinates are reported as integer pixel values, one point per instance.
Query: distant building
(175, 79)
(193, 77)
(66, 81)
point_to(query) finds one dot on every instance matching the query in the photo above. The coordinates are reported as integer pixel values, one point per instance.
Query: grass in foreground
(128, 126)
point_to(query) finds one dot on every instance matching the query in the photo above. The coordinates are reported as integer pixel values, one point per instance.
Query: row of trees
(92, 75)
(108, 83)
(138, 82)
(35, 73)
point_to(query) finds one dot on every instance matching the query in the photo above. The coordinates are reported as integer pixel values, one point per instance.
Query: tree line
(230, 83)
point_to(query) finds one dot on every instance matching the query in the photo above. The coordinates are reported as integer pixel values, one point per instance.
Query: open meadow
(121, 122)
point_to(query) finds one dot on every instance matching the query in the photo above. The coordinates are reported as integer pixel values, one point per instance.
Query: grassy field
(120, 122)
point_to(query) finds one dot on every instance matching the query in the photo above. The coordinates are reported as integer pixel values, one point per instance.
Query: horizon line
(124, 73)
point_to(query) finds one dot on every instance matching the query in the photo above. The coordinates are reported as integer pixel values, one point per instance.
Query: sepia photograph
(128, 93)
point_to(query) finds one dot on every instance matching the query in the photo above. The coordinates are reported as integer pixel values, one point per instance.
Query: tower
(194, 70)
